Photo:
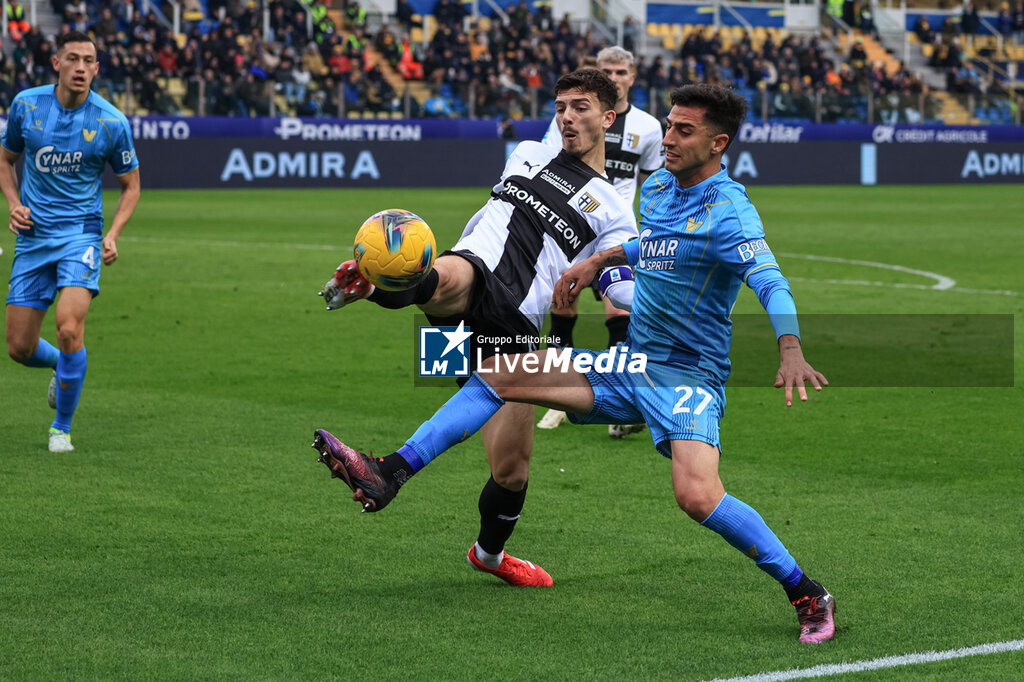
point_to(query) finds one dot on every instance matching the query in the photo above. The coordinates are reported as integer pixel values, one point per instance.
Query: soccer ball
(395, 249)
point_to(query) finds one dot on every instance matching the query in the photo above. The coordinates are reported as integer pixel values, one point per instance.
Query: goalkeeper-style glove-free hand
(347, 286)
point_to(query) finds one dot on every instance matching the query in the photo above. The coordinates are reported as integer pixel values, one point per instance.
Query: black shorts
(494, 318)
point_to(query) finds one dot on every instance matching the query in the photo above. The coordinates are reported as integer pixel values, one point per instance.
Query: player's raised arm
(20, 219)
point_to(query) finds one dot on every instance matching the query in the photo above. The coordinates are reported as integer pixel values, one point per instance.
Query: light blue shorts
(43, 266)
(680, 402)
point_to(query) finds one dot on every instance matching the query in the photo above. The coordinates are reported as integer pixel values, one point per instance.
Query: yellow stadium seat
(176, 87)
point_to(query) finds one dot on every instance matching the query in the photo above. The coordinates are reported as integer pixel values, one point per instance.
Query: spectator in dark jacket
(969, 21)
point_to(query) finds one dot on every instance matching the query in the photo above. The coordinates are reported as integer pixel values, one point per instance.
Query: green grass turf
(193, 535)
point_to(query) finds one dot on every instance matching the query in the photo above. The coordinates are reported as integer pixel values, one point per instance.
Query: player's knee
(69, 337)
(19, 352)
(696, 500)
(513, 470)
(503, 383)
(512, 386)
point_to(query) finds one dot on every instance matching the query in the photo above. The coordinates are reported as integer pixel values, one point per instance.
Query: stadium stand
(333, 58)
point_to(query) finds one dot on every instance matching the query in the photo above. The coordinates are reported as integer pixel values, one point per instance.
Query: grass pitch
(192, 534)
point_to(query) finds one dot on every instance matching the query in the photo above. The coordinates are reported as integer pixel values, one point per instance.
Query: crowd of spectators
(488, 69)
(947, 48)
(229, 63)
(792, 78)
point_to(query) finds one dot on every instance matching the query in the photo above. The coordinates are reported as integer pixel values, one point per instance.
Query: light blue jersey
(65, 152)
(697, 247)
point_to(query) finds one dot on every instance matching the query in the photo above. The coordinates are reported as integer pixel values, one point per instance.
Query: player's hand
(20, 219)
(572, 282)
(109, 250)
(795, 371)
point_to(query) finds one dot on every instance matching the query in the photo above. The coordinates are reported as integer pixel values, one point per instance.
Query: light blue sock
(743, 528)
(45, 356)
(458, 419)
(70, 376)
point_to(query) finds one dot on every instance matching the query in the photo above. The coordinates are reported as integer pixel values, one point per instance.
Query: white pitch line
(227, 244)
(902, 285)
(830, 669)
(1001, 292)
(941, 281)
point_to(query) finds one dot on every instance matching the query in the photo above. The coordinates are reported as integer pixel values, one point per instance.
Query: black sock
(617, 328)
(805, 588)
(396, 468)
(499, 511)
(417, 295)
(561, 330)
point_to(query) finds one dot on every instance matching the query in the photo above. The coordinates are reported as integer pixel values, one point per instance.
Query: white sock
(487, 559)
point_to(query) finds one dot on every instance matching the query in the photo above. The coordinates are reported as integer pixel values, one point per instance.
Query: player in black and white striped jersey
(569, 208)
(632, 151)
(552, 208)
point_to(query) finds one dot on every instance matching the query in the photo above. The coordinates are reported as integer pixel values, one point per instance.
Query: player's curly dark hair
(73, 37)
(589, 80)
(724, 110)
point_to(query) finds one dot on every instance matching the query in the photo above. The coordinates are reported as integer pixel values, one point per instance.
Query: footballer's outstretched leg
(361, 473)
